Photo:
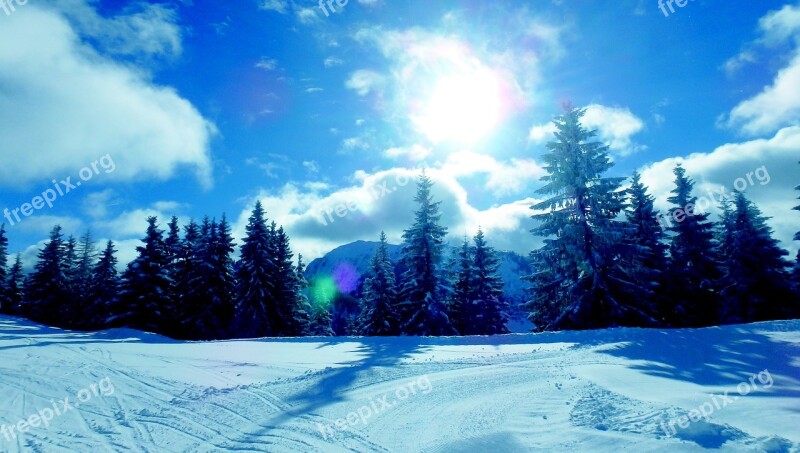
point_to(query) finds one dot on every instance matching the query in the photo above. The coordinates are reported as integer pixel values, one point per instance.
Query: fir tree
(47, 288)
(379, 297)
(104, 293)
(645, 253)
(579, 282)
(463, 292)
(304, 311)
(797, 261)
(82, 284)
(489, 309)
(211, 285)
(255, 283)
(146, 285)
(5, 302)
(694, 266)
(289, 316)
(185, 267)
(423, 311)
(756, 280)
(172, 245)
(15, 287)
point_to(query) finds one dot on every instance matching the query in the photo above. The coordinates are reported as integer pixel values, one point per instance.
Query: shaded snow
(571, 391)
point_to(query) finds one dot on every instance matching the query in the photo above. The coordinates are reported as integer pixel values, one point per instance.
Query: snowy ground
(579, 391)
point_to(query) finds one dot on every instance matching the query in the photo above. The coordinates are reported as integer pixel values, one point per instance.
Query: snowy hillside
(574, 391)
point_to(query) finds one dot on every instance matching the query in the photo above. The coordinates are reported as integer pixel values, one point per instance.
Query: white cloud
(778, 104)
(279, 6)
(615, 127)
(384, 200)
(70, 105)
(724, 165)
(267, 64)
(503, 178)
(413, 153)
(333, 61)
(364, 81)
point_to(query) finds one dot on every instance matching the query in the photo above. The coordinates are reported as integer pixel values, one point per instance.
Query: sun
(461, 107)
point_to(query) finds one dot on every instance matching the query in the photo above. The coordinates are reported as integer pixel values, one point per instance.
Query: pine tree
(104, 305)
(185, 267)
(146, 285)
(5, 302)
(579, 282)
(379, 315)
(488, 304)
(172, 245)
(645, 255)
(304, 311)
(289, 317)
(463, 292)
(756, 278)
(210, 307)
(797, 261)
(82, 284)
(47, 288)
(255, 283)
(15, 287)
(694, 266)
(423, 311)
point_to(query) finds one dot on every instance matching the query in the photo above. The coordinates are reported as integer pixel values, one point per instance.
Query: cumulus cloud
(65, 104)
(615, 127)
(364, 81)
(722, 167)
(319, 221)
(778, 104)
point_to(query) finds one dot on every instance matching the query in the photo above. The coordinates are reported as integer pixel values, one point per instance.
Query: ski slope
(571, 391)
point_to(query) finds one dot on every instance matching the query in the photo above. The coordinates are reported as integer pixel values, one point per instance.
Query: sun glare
(462, 108)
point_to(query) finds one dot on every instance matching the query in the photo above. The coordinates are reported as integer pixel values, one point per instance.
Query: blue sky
(204, 107)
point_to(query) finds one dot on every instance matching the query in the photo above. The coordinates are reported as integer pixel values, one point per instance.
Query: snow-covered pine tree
(254, 279)
(289, 320)
(645, 254)
(186, 266)
(489, 306)
(86, 257)
(379, 315)
(104, 308)
(422, 308)
(16, 282)
(578, 281)
(210, 308)
(146, 285)
(5, 303)
(304, 312)
(693, 273)
(797, 261)
(462, 313)
(756, 284)
(47, 288)
(172, 245)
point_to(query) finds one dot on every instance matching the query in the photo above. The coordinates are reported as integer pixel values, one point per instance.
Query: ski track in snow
(573, 391)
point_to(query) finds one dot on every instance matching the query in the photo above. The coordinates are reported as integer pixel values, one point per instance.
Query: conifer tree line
(606, 261)
(185, 283)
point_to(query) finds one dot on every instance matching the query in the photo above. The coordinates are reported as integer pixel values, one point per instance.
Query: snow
(566, 391)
